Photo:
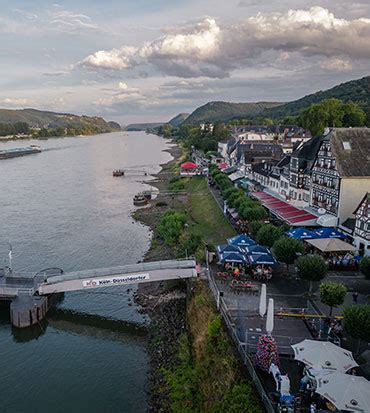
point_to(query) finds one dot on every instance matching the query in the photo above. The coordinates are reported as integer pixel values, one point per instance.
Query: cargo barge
(16, 152)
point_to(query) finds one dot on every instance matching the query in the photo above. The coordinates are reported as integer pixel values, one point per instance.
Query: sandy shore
(151, 215)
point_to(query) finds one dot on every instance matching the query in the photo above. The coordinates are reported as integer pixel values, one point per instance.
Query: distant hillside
(142, 126)
(225, 111)
(44, 119)
(357, 91)
(179, 119)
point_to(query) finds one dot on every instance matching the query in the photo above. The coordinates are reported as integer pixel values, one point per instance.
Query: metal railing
(241, 346)
(15, 291)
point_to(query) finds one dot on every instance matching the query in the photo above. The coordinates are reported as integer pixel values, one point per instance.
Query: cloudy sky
(148, 60)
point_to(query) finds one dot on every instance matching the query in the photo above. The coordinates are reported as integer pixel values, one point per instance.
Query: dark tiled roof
(263, 168)
(349, 223)
(356, 160)
(284, 161)
(308, 150)
(254, 149)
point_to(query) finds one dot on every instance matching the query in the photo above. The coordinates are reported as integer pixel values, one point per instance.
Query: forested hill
(51, 120)
(357, 91)
(225, 111)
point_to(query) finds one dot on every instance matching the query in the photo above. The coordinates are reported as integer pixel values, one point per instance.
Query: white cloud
(15, 103)
(201, 43)
(115, 59)
(337, 65)
(213, 50)
(66, 20)
(124, 94)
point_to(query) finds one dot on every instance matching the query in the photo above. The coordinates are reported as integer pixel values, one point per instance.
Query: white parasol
(262, 309)
(324, 355)
(346, 392)
(270, 316)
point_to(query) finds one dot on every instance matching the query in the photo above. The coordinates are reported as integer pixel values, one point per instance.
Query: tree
(332, 294)
(331, 113)
(228, 192)
(166, 130)
(254, 227)
(312, 268)
(287, 249)
(268, 234)
(365, 267)
(253, 213)
(357, 322)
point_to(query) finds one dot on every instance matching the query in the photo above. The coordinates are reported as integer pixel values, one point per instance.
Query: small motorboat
(118, 172)
(140, 200)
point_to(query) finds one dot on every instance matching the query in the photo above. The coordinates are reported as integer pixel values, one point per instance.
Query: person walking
(355, 297)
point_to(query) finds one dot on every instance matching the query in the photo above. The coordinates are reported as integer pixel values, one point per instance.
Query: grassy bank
(201, 372)
(207, 376)
(205, 216)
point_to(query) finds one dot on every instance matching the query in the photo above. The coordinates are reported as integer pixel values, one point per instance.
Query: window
(347, 146)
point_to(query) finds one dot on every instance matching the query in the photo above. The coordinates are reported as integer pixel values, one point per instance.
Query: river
(62, 208)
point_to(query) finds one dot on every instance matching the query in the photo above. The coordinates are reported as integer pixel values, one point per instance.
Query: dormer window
(347, 146)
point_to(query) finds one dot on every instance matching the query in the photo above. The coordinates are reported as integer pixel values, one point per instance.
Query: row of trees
(331, 113)
(14, 128)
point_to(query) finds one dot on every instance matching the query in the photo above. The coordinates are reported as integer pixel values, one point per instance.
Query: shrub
(365, 267)
(268, 234)
(161, 204)
(214, 328)
(190, 242)
(171, 226)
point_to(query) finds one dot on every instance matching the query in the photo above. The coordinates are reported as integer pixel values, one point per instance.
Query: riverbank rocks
(167, 312)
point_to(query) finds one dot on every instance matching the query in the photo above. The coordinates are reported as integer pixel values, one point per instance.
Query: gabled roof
(308, 150)
(351, 149)
(366, 197)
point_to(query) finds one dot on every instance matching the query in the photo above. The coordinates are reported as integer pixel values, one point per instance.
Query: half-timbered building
(340, 174)
(362, 227)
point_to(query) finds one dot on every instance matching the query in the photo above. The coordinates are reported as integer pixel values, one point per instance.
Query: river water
(62, 208)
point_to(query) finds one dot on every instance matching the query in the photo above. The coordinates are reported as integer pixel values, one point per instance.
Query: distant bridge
(30, 296)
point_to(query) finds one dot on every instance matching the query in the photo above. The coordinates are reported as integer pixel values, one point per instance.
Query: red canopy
(287, 212)
(189, 165)
(222, 166)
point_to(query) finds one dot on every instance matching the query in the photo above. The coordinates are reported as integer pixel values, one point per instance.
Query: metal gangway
(115, 276)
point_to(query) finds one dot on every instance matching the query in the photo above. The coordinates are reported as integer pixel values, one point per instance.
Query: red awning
(292, 212)
(283, 210)
(276, 205)
(271, 201)
(189, 165)
(301, 218)
(262, 195)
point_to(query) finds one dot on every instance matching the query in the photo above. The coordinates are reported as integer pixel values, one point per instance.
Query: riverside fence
(241, 346)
